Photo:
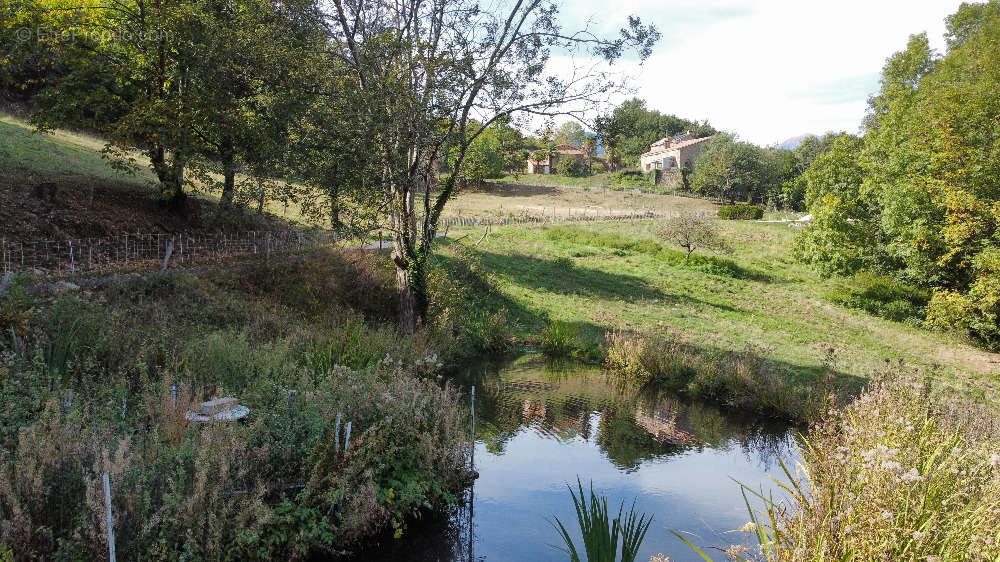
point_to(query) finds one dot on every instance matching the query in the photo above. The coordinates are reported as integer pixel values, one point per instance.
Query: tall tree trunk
(335, 207)
(407, 300)
(229, 175)
(170, 174)
(411, 275)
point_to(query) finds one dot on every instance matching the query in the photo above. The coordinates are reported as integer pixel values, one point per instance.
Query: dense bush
(741, 211)
(635, 179)
(885, 297)
(743, 379)
(977, 312)
(569, 166)
(86, 389)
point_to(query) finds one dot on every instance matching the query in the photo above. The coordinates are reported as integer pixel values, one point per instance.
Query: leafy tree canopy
(919, 195)
(631, 127)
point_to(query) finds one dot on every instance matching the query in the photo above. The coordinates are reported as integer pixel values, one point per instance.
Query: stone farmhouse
(548, 165)
(673, 153)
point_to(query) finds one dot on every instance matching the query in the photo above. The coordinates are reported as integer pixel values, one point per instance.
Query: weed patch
(745, 379)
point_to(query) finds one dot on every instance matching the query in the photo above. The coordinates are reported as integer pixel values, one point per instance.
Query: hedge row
(741, 212)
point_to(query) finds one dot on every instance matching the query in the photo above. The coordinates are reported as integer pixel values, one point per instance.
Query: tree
(246, 96)
(629, 130)
(793, 189)
(123, 76)
(920, 196)
(692, 232)
(424, 69)
(730, 170)
(484, 158)
(570, 133)
(590, 149)
(841, 238)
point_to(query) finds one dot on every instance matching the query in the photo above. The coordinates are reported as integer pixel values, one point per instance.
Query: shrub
(743, 379)
(15, 305)
(976, 313)
(569, 166)
(890, 478)
(406, 455)
(741, 211)
(885, 297)
(635, 179)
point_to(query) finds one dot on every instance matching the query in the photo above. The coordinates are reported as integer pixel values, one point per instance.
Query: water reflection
(539, 426)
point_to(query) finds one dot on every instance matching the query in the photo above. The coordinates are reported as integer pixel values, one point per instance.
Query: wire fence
(79, 255)
(558, 216)
(147, 251)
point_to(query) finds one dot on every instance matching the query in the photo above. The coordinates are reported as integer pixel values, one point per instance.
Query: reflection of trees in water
(761, 440)
(559, 400)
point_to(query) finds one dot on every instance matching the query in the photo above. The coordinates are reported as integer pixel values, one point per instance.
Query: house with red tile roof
(673, 152)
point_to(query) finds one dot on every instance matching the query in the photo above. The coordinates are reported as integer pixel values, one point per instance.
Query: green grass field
(602, 276)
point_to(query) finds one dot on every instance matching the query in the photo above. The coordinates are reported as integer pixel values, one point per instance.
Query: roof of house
(667, 144)
(568, 149)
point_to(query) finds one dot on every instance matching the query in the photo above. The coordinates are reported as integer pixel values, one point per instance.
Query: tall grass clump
(890, 477)
(559, 339)
(743, 379)
(468, 316)
(886, 297)
(601, 533)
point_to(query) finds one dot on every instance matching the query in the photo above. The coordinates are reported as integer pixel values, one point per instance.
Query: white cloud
(769, 70)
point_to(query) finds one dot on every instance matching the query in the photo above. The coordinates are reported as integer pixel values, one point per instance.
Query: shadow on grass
(564, 277)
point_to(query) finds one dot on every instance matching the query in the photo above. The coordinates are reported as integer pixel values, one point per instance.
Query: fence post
(72, 259)
(110, 519)
(336, 434)
(347, 437)
(166, 257)
(472, 456)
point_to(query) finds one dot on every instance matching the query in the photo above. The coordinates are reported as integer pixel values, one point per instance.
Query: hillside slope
(91, 199)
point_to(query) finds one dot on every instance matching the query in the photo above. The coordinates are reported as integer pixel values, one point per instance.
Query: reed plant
(559, 339)
(601, 534)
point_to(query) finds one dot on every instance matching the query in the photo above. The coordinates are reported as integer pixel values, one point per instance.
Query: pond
(540, 426)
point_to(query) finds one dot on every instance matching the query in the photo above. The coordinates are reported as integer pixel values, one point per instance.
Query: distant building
(673, 152)
(548, 165)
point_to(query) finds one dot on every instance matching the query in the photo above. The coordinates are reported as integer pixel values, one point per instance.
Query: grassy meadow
(605, 276)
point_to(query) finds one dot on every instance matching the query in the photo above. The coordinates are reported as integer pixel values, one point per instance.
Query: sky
(767, 70)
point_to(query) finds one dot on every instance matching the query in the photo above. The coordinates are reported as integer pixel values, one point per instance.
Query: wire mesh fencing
(560, 216)
(139, 251)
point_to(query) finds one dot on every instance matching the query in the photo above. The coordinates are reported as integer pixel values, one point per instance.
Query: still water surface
(539, 427)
